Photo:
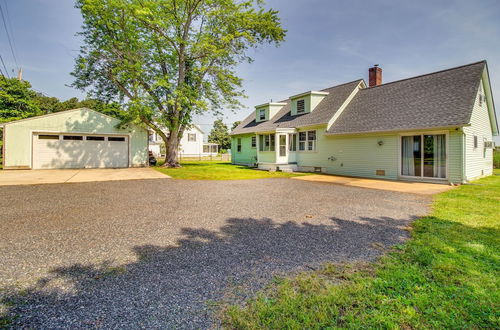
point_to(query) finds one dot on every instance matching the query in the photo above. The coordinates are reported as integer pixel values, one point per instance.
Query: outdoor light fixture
(380, 143)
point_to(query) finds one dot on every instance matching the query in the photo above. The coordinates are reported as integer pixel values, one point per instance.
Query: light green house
(436, 127)
(79, 138)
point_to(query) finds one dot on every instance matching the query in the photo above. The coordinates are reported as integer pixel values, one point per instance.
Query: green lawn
(217, 170)
(446, 276)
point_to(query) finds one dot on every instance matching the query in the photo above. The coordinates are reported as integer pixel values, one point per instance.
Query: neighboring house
(436, 127)
(191, 144)
(78, 138)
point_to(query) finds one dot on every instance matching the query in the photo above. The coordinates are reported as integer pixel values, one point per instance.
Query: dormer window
(301, 106)
(262, 114)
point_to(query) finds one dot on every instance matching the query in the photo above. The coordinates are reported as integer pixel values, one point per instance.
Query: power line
(10, 25)
(6, 71)
(8, 36)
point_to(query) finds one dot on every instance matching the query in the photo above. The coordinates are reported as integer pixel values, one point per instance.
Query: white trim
(420, 178)
(269, 104)
(61, 112)
(343, 106)
(308, 93)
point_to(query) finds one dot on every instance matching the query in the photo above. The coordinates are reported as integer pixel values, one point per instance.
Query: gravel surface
(161, 253)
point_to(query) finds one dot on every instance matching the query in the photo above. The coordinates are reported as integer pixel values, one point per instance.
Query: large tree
(167, 60)
(220, 135)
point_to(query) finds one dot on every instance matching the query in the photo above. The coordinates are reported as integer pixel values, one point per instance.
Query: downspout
(147, 150)
(257, 144)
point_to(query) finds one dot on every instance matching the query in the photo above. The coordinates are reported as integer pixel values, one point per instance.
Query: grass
(217, 170)
(496, 158)
(446, 276)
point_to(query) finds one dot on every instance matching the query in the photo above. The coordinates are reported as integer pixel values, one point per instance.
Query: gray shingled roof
(440, 99)
(323, 112)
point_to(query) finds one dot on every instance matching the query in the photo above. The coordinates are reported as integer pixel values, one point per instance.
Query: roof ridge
(427, 74)
(347, 83)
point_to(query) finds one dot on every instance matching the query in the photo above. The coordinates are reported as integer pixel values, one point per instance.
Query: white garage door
(79, 151)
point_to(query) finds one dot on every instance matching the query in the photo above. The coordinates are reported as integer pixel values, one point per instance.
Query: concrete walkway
(399, 186)
(27, 177)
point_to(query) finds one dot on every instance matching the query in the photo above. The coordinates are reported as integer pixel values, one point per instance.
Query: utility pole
(20, 74)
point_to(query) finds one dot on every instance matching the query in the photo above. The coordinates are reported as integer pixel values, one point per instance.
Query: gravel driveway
(159, 253)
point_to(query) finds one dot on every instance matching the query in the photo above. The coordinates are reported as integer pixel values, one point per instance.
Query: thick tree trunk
(172, 150)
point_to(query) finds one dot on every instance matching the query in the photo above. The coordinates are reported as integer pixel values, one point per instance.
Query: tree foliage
(235, 124)
(17, 100)
(220, 135)
(167, 60)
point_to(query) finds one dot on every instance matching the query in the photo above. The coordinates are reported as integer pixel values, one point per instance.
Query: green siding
(362, 156)
(248, 155)
(354, 155)
(18, 135)
(455, 156)
(267, 157)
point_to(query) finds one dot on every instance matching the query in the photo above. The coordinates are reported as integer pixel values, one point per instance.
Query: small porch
(277, 150)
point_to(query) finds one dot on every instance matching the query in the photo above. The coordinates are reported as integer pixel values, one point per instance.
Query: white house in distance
(191, 145)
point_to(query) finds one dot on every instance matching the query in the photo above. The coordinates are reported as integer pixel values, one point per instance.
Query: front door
(282, 152)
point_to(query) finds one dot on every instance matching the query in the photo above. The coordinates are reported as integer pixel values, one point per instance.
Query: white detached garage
(79, 138)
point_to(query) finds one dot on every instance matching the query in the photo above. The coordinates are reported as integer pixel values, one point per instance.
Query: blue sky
(328, 42)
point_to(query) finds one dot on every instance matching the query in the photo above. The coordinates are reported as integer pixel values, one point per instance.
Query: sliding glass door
(424, 156)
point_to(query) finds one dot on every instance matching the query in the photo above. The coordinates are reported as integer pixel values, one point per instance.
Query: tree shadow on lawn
(175, 286)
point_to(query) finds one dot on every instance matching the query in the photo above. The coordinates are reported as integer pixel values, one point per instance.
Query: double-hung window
(238, 145)
(191, 137)
(311, 140)
(254, 141)
(262, 114)
(302, 141)
(307, 141)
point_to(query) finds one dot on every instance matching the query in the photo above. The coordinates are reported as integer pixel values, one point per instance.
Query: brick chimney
(374, 76)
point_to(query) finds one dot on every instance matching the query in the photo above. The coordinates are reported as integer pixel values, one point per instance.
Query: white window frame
(238, 145)
(305, 142)
(262, 114)
(400, 145)
(190, 137)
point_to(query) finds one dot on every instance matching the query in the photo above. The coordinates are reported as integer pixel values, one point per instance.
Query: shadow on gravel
(177, 287)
